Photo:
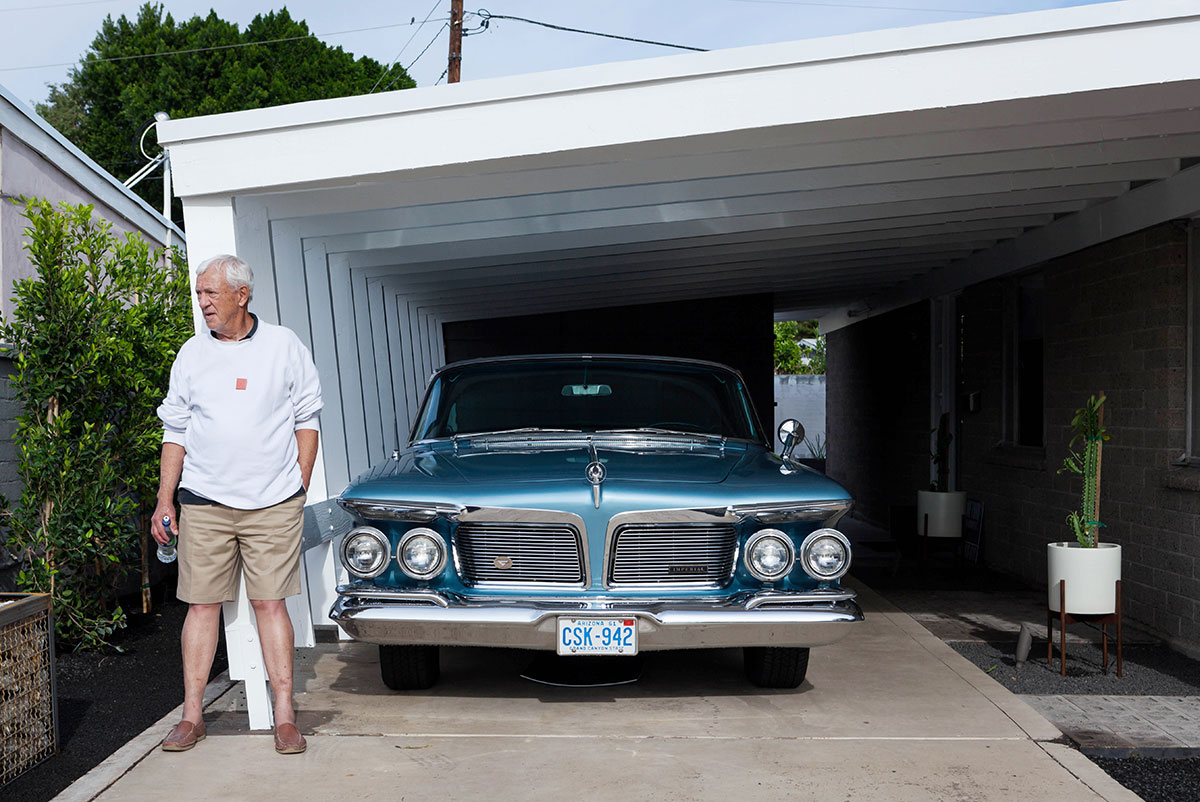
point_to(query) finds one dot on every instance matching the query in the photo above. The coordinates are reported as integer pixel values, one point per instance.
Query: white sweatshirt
(235, 408)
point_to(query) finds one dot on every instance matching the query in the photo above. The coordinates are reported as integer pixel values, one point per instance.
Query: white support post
(246, 660)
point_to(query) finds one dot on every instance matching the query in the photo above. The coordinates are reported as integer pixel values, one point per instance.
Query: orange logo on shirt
(241, 384)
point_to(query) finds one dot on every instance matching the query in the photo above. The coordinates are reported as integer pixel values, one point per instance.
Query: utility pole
(453, 70)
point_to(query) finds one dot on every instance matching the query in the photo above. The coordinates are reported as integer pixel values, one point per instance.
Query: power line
(975, 12)
(436, 3)
(487, 17)
(418, 58)
(58, 5)
(207, 49)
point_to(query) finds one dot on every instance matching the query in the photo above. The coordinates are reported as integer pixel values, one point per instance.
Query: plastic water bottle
(166, 551)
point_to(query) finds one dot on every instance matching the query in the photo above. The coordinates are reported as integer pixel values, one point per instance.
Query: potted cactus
(939, 509)
(1089, 568)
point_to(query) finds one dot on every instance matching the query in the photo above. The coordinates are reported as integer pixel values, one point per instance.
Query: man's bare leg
(201, 630)
(278, 647)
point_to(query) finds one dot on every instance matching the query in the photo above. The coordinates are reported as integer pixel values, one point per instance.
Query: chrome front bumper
(816, 618)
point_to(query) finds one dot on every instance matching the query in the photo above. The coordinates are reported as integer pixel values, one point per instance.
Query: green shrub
(791, 356)
(93, 335)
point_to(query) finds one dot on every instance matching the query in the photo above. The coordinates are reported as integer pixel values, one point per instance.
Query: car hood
(641, 475)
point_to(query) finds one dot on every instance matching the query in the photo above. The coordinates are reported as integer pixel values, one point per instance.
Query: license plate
(592, 636)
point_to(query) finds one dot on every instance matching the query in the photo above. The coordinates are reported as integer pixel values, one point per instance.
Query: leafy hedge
(792, 356)
(93, 335)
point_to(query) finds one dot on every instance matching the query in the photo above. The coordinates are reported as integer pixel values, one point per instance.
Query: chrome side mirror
(791, 432)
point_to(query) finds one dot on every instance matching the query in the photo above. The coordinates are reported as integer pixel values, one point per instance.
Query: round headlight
(421, 553)
(825, 554)
(769, 555)
(365, 552)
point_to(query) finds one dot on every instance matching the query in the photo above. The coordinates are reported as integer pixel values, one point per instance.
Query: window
(1026, 391)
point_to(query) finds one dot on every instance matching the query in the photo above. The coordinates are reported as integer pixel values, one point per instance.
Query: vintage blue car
(594, 505)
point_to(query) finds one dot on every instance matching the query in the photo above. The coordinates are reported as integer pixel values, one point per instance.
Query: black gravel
(1148, 670)
(104, 700)
(1156, 780)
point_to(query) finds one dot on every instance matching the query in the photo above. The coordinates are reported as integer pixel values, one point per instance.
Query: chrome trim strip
(747, 601)
(782, 599)
(426, 597)
(413, 511)
(661, 625)
(784, 512)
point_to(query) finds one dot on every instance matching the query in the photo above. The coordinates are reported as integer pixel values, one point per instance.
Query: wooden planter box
(28, 705)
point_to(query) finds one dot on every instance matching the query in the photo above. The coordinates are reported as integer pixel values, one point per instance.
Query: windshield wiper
(654, 430)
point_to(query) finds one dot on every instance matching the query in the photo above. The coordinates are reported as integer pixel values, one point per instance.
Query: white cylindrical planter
(1091, 576)
(945, 511)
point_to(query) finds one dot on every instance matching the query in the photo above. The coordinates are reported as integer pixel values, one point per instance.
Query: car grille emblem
(595, 474)
(687, 570)
(503, 563)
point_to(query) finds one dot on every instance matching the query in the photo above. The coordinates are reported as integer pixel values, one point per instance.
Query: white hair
(237, 273)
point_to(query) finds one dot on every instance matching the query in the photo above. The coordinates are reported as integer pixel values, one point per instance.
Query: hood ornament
(595, 473)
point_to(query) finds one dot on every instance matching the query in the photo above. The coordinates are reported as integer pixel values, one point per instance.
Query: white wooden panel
(351, 381)
(324, 351)
(369, 379)
(253, 232)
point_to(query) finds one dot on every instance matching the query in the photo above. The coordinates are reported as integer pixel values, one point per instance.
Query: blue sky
(58, 32)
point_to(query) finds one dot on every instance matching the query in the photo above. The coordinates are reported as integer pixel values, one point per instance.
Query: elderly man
(239, 443)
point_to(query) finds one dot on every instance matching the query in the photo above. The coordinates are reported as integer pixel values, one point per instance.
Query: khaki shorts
(214, 540)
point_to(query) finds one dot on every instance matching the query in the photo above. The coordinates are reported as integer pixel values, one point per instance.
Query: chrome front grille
(676, 554)
(538, 553)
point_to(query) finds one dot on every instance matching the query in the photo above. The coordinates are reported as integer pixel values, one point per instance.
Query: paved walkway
(1117, 726)
(1102, 714)
(890, 713)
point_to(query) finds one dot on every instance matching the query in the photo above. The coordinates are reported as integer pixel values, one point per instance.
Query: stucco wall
(803, 398)
(25, 172)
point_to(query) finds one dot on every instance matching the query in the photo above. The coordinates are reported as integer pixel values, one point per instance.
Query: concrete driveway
(891, 713)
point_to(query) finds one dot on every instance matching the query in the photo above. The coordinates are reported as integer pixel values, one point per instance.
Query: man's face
(222, 306)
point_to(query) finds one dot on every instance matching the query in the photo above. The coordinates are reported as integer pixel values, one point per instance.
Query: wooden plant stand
(1064, 618)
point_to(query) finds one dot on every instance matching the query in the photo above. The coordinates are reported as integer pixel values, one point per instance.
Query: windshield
(586, 395)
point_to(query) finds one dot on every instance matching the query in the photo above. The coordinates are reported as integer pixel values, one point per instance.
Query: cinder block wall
(1116, 321)
(877, 410)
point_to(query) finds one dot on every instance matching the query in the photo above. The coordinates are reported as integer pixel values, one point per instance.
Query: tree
(106, 105)
(794, 356)
(93, 335)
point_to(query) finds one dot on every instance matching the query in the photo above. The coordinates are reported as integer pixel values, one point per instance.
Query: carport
(835, 178)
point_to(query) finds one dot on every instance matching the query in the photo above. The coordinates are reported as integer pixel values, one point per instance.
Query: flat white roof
(825, 171)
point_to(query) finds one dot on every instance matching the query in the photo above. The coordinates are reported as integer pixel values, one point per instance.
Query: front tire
(775, 666)
(409, 668)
